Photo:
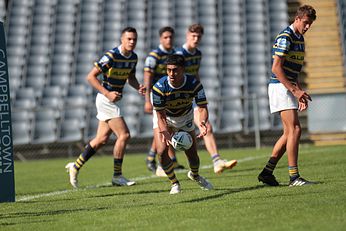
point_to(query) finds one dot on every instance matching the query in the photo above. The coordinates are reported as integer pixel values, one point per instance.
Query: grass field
(45, 200)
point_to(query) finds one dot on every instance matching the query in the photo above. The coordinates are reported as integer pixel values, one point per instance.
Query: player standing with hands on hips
(172, 100)
(286, 96)
(118, 66)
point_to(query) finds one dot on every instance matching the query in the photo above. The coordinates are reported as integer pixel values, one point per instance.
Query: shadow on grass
(40, 214)
(141, 192)
(224, 193)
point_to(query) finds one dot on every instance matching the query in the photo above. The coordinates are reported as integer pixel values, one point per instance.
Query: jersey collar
(169, 83)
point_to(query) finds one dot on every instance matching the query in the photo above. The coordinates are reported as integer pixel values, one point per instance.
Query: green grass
(45, 201)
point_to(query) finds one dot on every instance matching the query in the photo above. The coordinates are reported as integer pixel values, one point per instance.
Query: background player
(286, 96)
(172, 100)
(193, 57)
(118, 65)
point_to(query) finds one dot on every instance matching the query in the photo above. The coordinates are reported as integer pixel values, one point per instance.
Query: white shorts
(106, 109)
(280, 98)
(184, 123)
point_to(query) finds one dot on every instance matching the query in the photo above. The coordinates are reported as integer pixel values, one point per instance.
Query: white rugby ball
(181, 141)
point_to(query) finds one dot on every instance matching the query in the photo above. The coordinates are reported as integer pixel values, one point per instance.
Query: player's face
(175, 74)
(129, 41)
(166, 40)
(193, 39)
(303, 24)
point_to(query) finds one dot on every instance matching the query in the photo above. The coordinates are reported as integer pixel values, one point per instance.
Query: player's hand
(166, 137)
(148, 108)
(141, 89)
(203, 129)
(301, 95)
(114, 96)
(302, 105)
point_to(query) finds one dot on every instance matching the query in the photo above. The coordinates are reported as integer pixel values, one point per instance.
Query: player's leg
(122, 133)
(150, 159)
(266, 176)
(165, 161)
(194, 163)
(292, 124)
(210, 143)
(102, 134)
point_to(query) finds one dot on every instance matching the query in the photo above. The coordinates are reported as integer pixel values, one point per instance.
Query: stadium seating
(52, 45)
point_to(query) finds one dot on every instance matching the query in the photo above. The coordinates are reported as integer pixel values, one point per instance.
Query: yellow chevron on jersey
(119, 73)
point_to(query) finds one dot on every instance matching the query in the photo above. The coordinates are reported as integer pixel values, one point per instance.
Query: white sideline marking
(140, 178)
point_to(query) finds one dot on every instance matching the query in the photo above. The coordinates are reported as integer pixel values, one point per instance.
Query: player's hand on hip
(148, 108)
(114, 96)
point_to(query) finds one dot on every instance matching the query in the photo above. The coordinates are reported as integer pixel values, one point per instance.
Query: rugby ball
(181, 141)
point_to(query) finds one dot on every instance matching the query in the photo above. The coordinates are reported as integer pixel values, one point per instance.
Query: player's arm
(162, 125)
(201, 101)
(277, 69)
(302, 104)
(95, 83)
(148, 81)
(132, 80)
(203, 120)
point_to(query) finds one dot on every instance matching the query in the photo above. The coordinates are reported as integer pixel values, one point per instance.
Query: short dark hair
(166, 29)
(307, 10)
(196, 28)
(175, 59)
(129, 29)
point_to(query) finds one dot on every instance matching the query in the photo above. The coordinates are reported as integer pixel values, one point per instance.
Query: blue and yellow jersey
(291, 46)
(156, 63)
(192, 61)
(116, 69)
(178, 101)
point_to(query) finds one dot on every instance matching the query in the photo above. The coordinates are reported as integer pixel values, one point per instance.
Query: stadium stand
(52, 45)
(324, 55)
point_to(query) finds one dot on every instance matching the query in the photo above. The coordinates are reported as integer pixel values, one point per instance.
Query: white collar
(119, 48)
(169, 83)
(292, 28)
(164, 50)
(191, 53)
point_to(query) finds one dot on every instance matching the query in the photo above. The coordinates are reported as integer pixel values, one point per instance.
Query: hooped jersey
(178, 101)
(290, 46)
(192, 60)
(156, 63)
(116, 68)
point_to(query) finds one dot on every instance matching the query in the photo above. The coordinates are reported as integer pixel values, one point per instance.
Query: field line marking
(140, 178)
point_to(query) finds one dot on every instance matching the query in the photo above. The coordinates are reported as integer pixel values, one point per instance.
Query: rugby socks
(215, 158)
(151, 155)
(194, 166)
(175, 161)
(84, 157)
(270, 166)
(169, 170)
(293, 172)
(117, 167)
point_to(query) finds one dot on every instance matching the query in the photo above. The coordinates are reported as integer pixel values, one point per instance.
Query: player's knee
(125, 136)
(99, 141)
(297, 130)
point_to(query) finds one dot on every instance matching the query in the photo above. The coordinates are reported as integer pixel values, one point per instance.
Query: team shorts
(280, 98)
(184, 123)
(106, 109)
